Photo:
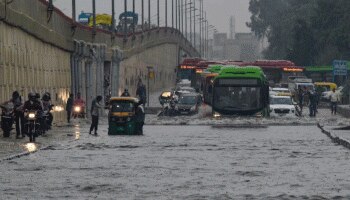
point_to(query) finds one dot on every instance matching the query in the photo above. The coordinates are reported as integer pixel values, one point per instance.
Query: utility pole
(172, 13)
(125, 27)
(113, 17)
(191, 21)
(149, 14)
(176, 24)
(194, 23)
(186, 18)
(133, 19)
(73, 11)
(166, 13)
(182, 17)
(200, 27)
(158, 13)
(143, 14)
(94, 18)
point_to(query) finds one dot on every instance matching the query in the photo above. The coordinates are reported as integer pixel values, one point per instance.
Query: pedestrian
(141, 91)
(139, 117)
(96, 106)
(334, 99)
(126, 93)
(312, 103)
(69, 106)
(301, 98)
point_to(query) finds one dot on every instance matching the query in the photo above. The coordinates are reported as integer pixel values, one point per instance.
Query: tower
(232, 27)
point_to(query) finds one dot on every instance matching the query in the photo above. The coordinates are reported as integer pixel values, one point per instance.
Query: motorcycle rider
(47, 105)
(79, 102)
(126, 93)
(32, 104)
(7, 117)
(19, 117)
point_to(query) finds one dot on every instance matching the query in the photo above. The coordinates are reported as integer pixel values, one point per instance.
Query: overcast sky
(218, 11)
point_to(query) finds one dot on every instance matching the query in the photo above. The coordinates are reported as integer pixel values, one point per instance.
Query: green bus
(240, 91)
(207, 82)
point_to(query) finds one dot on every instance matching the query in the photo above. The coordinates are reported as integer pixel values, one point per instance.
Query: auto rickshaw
(121, 117)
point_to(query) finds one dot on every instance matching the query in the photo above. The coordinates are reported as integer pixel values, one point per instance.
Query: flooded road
(184, 162)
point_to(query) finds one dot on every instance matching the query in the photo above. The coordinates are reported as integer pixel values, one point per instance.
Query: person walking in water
(69, 107)
(96, 106)
(334, 98)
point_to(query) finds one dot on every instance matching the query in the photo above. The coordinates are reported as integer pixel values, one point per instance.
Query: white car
(280, 92)
(282, 106)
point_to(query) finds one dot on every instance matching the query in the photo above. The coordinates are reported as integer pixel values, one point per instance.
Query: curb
(26, 153)
(334, 138)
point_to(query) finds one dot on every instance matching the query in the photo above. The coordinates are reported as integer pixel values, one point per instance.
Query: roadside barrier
(335, 138)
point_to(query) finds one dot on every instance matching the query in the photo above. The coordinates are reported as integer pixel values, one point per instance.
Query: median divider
(334, 138)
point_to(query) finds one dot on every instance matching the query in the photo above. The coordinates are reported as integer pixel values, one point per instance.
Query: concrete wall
(66, 56)
(28, 64)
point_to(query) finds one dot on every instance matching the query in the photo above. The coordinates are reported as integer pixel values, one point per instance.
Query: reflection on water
(31, 147)
(77, 132)
(77, 135)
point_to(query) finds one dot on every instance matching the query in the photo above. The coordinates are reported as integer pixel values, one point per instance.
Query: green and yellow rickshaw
(121, 117)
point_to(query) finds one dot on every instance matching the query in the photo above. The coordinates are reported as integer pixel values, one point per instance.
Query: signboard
(238, 81)
(340, 68)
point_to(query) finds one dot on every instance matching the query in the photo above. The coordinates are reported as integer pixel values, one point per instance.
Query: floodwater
(184, 162)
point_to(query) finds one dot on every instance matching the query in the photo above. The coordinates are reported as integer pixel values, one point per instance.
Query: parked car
(282, 106)
(188, 103)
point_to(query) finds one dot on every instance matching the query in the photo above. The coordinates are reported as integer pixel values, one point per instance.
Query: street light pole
(143, 14)
(176, 24)
(191, 21)
(182, 17)
(113, 17)
(186, 18)
(149, 14)
(73, 11)
(125, 27)
(194, 24)
(133, 19)
(172, 13)
(166, 13)
(158, 13)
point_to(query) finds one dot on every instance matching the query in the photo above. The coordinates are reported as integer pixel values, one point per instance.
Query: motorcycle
(169, 108)
(47, 119)
(7, 118)
(78, 111)
(32, 125)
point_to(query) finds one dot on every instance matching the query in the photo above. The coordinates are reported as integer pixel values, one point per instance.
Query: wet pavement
(184, 162)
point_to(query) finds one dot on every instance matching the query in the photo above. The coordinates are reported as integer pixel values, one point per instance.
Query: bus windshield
(237, 98)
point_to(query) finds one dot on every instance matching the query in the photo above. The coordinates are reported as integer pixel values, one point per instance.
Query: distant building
(244, 46)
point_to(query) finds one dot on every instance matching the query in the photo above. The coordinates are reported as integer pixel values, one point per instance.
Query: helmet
(99, 98)
(32, 96)
(46, 96)
(15, 95)
(140, 102)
